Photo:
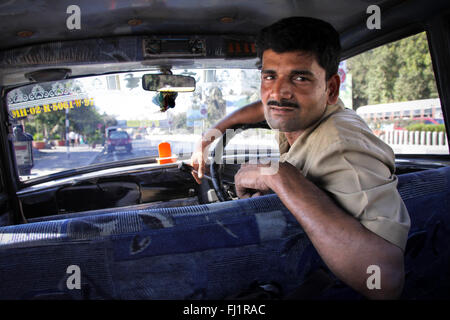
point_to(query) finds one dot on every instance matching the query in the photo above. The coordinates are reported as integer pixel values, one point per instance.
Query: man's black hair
(306, 34)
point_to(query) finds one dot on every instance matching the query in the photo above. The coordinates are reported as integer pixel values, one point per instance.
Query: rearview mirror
(168, 83)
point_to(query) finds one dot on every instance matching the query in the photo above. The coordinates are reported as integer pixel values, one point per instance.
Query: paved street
(47, 161)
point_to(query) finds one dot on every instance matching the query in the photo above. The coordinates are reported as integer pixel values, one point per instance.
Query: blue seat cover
(209, 251)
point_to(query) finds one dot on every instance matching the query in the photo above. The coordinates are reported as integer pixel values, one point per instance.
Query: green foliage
(179, 122)
(109, 120)
(30, 128)
(398, 71)
(83, 120)
(38, 137)
(94, 137)
(132, 82)
(216, 106)
(426, 127)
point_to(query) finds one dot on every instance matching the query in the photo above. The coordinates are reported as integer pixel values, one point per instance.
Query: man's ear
(333, 85)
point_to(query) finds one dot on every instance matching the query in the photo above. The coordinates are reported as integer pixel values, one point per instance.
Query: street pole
(67, 134)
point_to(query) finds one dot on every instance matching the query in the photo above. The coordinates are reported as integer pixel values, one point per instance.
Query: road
(47, 161)
(145, 148)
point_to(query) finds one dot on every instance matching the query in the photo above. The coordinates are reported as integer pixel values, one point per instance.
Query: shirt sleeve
(365, 187)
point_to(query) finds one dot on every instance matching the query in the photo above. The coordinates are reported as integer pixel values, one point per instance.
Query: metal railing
(423, 142)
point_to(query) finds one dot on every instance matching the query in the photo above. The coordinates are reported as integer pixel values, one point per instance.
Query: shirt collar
(330, 109)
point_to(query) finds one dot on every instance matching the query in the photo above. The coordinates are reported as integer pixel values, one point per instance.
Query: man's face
(293, 90)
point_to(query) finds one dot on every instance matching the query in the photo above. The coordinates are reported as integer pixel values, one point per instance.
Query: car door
(10, 209)
(4, 205)
(6, 216)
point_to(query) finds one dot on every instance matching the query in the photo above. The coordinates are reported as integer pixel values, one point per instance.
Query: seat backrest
(198, 252)
(206, 252)
(427, 256)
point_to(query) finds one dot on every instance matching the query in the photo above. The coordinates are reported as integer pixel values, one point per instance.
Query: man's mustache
(283, 103)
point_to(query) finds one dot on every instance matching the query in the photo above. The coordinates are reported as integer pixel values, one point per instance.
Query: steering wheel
(217, 167)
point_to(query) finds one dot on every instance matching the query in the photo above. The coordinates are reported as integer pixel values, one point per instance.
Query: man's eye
(268, 77)
(300, 78)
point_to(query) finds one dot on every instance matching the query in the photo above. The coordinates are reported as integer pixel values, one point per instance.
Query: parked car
(87, 225)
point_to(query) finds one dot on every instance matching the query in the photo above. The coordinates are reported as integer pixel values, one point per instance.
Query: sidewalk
(47, 161)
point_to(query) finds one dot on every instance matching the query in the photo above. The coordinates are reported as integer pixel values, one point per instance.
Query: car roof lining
(99, 54)
(104, 18)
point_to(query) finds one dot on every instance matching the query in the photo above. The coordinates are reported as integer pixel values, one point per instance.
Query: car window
(66, 124)
(118, 135)
(393, 89)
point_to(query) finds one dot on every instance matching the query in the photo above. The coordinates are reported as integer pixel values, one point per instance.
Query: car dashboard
(105, 189)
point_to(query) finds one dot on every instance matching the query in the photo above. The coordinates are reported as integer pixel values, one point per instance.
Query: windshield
(70, 124)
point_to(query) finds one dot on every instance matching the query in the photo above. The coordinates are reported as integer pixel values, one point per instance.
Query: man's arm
(251, 113)
(346, 246)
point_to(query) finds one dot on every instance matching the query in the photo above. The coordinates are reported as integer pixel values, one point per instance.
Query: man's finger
(241, 191)
(201, 167)
(243, 195)
(195, 165)
(194, 174)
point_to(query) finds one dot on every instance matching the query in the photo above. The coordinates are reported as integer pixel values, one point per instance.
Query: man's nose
(281, 89)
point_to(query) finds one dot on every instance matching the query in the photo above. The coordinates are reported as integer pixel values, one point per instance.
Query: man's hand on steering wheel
(250, 181)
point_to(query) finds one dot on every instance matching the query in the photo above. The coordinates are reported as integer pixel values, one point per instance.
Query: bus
(426, 111)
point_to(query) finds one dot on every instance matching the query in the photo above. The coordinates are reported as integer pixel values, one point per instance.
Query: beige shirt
(341, 155)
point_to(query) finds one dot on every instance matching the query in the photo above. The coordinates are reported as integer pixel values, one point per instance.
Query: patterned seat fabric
(203, 252)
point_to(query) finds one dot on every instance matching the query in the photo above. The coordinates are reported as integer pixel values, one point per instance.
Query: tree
(415, 75)
(132, 82)
(398, 71)
(216, 106)
(179, 122)
(84, 120)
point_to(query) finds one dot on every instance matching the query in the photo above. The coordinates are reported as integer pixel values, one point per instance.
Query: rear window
(118, 135)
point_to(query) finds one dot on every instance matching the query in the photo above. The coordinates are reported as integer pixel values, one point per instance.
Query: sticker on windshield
(48, 97)
(33, 110)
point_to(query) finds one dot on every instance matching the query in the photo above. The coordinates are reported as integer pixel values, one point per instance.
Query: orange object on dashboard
(165, 154)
